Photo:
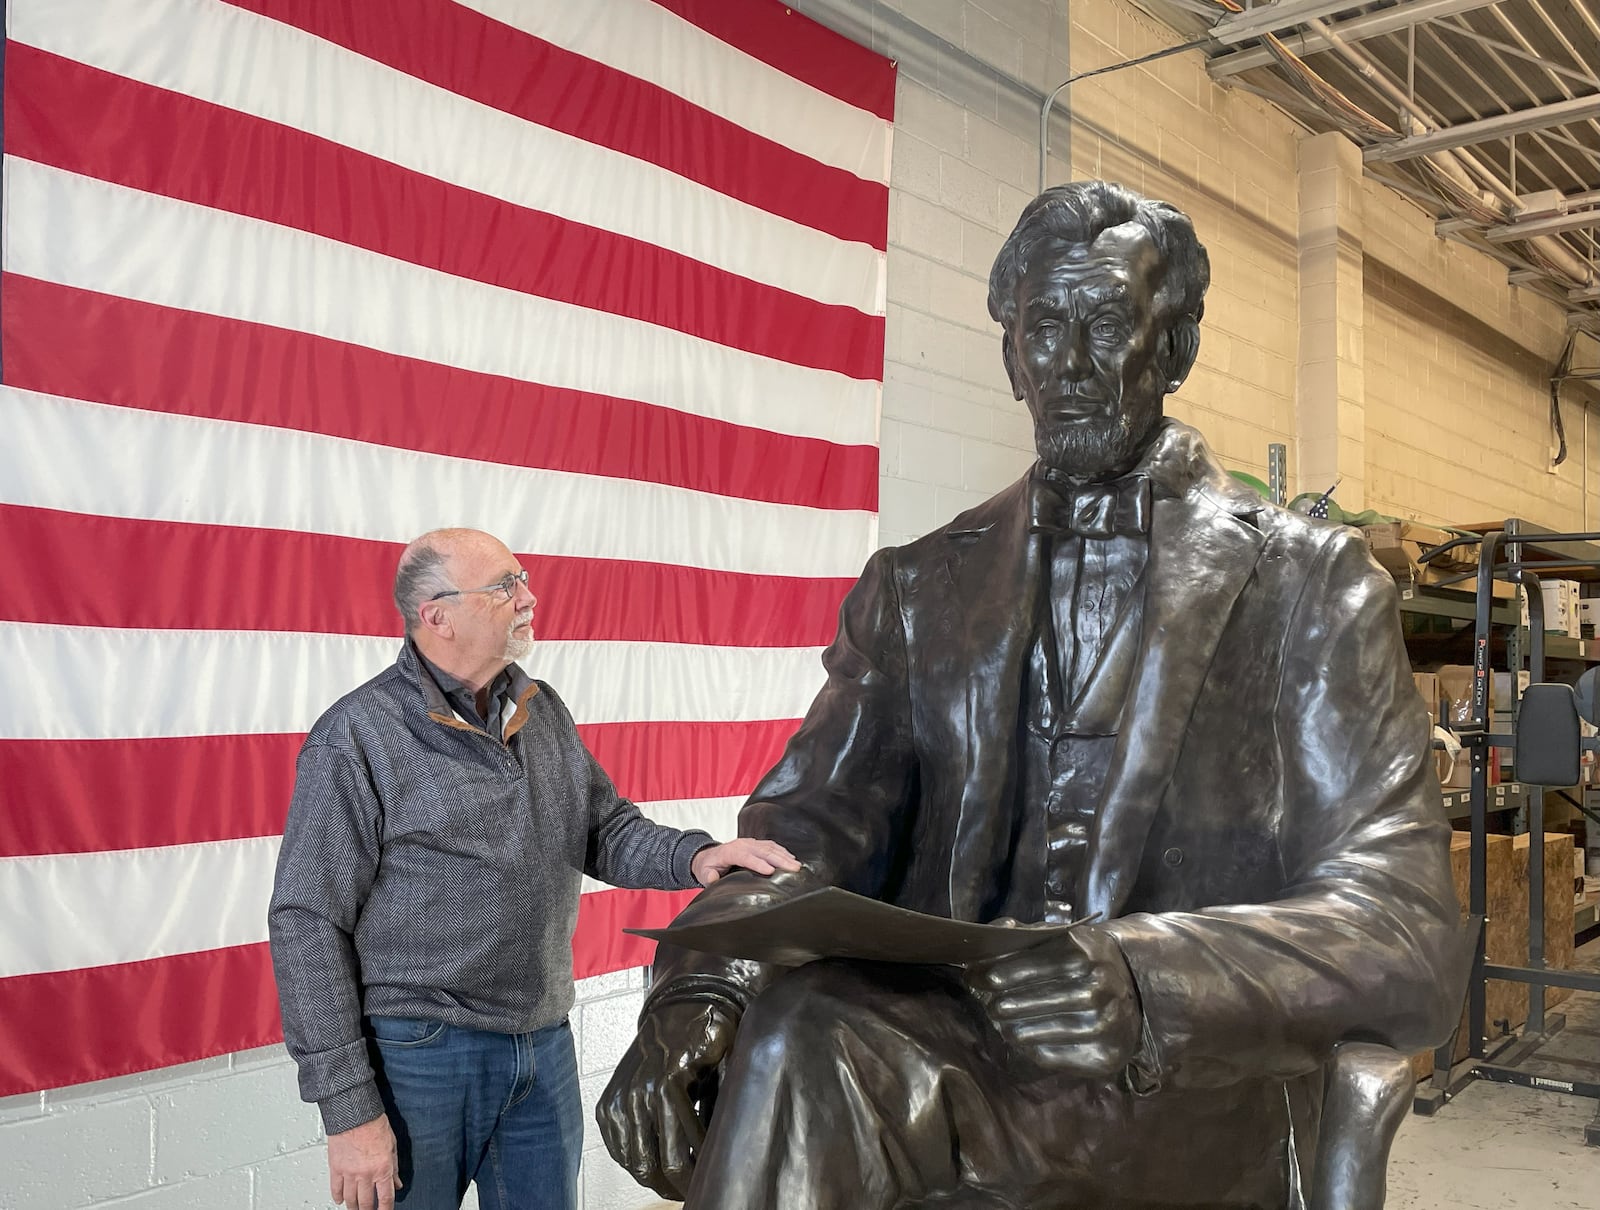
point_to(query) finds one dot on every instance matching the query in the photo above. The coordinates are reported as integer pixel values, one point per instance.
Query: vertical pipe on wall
(1050, 100)
(1049, 104)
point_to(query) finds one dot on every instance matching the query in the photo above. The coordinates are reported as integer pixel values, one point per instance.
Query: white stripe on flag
(101, 459)
(246, 62)
(130, 905)
(79, 231)
(719, 816)
(93, 909)
(81, 682)
(651, 43)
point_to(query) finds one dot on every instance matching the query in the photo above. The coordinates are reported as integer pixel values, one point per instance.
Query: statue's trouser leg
(866, 1086)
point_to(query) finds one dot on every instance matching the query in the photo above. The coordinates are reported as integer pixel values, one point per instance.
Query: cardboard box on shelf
(1398, 545)
(1588, 616)
(1502, 687)
(1560, 607)
(1504, 722)
(1455, 692)
(1427, 684)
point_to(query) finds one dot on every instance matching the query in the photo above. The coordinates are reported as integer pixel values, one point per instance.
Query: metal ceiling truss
(1487, 112)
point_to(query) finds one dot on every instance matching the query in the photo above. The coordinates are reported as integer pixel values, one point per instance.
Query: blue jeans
(499, 1109)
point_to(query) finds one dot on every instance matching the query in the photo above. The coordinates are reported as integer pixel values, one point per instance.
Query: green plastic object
(1252, 482)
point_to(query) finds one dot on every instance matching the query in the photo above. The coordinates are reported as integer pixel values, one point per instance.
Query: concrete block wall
(972, 74)
(1227, 160)
(1458, 368)
(231, 1133)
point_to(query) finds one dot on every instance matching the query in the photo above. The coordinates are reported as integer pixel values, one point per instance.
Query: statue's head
(1099, 293)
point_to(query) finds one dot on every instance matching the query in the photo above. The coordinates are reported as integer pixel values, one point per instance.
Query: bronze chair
(1368, 1091)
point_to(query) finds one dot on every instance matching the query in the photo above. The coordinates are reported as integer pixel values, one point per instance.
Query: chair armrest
(1368, 1090)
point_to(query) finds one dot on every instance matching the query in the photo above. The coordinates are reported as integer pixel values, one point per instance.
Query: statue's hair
(1078, 213)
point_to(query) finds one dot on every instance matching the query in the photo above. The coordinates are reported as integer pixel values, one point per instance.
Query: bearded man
(1124, 691)
(444, 814)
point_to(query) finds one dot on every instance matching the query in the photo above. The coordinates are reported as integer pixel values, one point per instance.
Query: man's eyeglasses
(506, 586)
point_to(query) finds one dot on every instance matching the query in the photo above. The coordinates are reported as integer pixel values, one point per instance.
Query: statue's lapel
(1201, 557)
(994, 572)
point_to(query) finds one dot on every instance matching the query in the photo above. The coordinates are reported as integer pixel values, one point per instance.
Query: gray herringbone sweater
(431, 870)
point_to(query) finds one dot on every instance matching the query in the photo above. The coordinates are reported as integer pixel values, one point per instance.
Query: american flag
(287, 282)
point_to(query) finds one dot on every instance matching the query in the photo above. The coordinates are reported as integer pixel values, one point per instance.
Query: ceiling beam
(1271, 18)
(1356, 29)
(1532, 228)
(1485, 130)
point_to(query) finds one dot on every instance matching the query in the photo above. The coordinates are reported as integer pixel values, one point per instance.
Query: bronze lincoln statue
(1125, 691)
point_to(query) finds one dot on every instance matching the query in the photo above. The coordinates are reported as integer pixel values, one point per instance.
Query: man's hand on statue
(745, 853)
(1067, 1006)
(648, 1114)
(364, 1166)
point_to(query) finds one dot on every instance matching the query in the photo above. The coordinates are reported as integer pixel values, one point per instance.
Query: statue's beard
(1094, 448)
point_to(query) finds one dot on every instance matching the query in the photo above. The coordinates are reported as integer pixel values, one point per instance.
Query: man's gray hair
(1078, 213)
(420, 575)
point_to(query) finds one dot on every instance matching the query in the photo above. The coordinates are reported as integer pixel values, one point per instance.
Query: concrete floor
(1497, 1146)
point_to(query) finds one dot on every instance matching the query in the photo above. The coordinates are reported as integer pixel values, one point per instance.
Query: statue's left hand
(652, 1114)
(1067, 1006)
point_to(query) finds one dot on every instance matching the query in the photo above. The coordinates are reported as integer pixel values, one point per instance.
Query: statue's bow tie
(1093, 510)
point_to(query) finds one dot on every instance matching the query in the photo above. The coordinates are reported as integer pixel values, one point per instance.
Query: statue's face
(1085, 350)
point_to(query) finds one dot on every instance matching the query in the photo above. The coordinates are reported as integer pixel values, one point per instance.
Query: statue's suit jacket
(1271, 851)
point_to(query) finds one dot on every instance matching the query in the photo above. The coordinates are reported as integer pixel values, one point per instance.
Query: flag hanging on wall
(288, 282)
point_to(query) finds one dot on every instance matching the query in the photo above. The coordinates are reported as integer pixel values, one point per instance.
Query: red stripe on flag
(85, 796)
(526, 77)
(175, 576)
(69, 1027)
(599, 946)
(93, 123)
(664, 762)
(799, 47)
(80, 344)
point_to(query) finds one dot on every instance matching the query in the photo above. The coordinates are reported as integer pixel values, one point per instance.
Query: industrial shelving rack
(1516, 551)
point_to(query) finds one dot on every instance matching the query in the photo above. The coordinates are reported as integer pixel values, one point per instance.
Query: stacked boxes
(1588, 617)
(1427, 684)
(1398, 545)
(1563, 611)
(1455, 700)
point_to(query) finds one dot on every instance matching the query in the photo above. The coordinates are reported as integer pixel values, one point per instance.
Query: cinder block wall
(231, 1133)
(1458, 373)
(1455, 383)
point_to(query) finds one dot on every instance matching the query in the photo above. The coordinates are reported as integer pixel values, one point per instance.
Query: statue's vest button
(1173, 857)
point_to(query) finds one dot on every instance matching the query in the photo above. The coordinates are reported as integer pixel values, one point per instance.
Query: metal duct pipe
(1461, 167)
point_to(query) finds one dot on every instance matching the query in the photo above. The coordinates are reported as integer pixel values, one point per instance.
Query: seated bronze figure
(1125, 691)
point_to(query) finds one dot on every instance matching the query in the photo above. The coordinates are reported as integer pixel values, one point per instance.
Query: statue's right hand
(650, 1115)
